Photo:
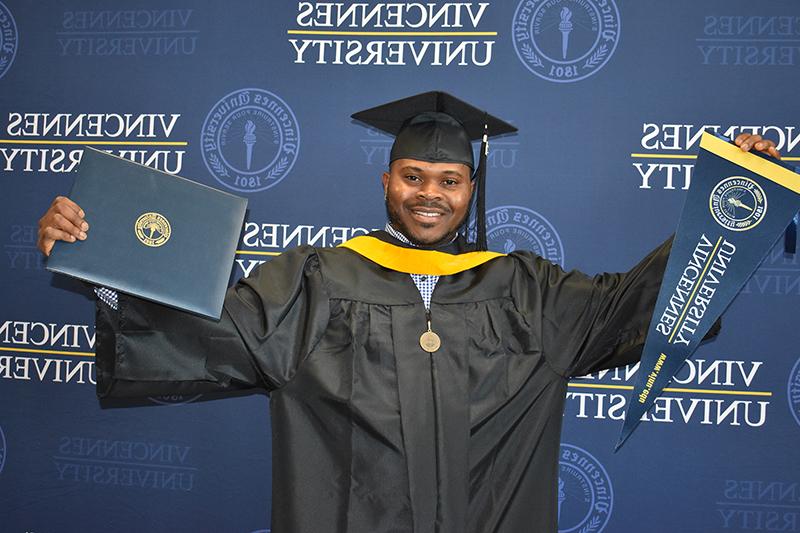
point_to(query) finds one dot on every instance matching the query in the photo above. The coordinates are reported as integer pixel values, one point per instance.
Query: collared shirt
(108, 297)
(425, 283)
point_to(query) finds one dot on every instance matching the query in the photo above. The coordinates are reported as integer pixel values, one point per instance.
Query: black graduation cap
(438, 127)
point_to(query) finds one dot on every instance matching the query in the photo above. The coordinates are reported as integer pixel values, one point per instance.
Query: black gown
(371, 433)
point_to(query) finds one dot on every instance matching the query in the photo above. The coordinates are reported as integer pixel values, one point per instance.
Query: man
(417, 384)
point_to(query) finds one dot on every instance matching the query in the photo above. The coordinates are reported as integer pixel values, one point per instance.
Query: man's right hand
(62, 222)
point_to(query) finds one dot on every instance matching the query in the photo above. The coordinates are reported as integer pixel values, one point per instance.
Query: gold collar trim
(416, 261)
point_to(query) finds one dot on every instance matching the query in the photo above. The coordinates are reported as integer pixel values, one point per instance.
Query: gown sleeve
(270, 322)
(594, 323)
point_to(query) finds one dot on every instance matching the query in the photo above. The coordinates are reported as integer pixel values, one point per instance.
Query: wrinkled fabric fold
(371, 434)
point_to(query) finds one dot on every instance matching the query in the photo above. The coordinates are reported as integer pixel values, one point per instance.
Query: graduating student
(417, 382)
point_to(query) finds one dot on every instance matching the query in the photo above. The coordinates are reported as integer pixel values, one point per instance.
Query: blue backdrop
(610, 97)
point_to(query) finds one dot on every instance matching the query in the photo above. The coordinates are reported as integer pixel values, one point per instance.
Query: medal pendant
(430, 341)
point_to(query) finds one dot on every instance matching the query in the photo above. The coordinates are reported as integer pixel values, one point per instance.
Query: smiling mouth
(427, 214)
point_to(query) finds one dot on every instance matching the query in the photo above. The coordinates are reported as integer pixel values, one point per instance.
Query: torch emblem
(589, 31)
(565, 27)
(246, 117)
(249, 140)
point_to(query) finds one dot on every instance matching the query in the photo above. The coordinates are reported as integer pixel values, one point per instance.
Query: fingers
(748, 141)
(70, 224)
(48, 237)
(71, 211)
(745, 141)
(741, 138)
(63, 200)
(768, 147)
(63, 221)
(69, 216)
(763, 144)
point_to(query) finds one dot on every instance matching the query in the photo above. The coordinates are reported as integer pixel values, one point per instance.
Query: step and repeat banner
(254, 97)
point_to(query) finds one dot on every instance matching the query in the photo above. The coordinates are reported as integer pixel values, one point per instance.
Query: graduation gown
(371, 433)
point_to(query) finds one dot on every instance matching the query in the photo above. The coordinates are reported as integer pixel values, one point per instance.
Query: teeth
(426, 214)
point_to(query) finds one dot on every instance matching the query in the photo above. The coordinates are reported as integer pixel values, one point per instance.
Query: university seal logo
(792, 393)
(9, 39)
(738, 203)
(585, 494)
(152, 229)
(511, 227)
(565, 40)
(2, 450)
(250, 140)
(174, 399)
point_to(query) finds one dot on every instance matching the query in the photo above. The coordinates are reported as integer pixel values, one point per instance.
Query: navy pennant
(738, 206)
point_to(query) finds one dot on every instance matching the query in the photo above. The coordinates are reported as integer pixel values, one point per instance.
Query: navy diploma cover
(153, 234)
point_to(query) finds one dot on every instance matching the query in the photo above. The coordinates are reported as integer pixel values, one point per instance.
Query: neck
(402, 237)
(452, 244)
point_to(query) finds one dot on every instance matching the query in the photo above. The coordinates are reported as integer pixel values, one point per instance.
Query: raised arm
(270, 322)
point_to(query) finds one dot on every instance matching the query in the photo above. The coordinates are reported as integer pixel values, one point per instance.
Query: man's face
(427, 202)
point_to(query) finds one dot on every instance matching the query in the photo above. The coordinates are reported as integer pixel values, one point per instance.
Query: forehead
(427, 167)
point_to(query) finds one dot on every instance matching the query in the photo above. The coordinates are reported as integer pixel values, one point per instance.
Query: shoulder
(310, 259)
(533, 263)
(293, 263)
(299, 255)
(532, 268)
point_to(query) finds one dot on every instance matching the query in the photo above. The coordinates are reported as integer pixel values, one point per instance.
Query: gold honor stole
(414, 260)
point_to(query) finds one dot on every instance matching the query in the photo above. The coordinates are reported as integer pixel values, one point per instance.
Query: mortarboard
(438, 127)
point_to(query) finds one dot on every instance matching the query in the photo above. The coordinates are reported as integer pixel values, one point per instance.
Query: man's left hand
(748, 141)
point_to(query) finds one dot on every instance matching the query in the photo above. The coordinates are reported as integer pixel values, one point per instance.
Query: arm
(591, 323)
(270, 322)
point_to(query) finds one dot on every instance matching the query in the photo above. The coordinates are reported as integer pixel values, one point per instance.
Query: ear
(385, 181)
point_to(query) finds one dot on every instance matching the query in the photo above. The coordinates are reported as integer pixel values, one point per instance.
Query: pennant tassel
(790, 237)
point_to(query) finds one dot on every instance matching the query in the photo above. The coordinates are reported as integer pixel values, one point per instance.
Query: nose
(429, 190)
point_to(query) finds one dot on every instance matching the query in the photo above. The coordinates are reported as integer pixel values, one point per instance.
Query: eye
(450, 182)
(412, 177)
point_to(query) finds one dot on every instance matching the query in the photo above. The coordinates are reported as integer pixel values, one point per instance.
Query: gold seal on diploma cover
(152, 229)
